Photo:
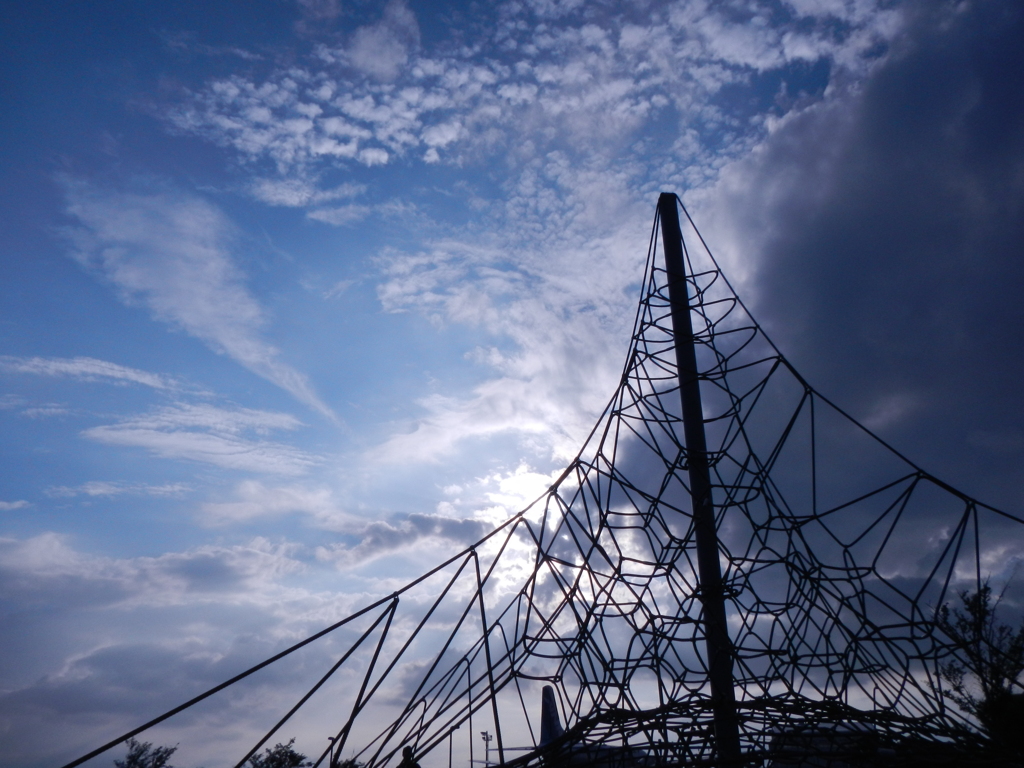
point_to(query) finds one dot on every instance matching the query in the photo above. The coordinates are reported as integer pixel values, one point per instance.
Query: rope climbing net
(834, 553)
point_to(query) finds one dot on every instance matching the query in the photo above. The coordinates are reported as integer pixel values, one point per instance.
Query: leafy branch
(990, 660)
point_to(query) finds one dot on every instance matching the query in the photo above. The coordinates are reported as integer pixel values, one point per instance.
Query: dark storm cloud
(892, 269)
(402, 531)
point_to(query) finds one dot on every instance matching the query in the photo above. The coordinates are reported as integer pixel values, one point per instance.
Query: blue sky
(297, 297)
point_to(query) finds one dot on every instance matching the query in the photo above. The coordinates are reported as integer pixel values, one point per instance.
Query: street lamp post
(487, 739)
(451, 733)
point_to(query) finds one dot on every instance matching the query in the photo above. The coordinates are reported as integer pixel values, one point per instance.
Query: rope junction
(833, 551)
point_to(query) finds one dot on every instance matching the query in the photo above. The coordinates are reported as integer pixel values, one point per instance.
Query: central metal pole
(716, 632)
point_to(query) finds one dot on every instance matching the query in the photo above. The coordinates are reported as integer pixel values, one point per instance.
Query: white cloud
(519, 488)
(171, 253)
(316, 12)
(441, 135)
(38, 410)
(10, 506)
(238, 574)
(337, 289)
(103, 488)
(341, 216)
(296, 193)
(254, 499)
(498, 407)
(373, 156)
(86, 368)
(890, 409)
(381, 50)
(212, 435)
(46, 410)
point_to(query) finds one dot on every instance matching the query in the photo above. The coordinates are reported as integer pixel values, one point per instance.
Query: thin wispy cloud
(45, 410)
(31, 409)
(212, 435)
(172, 254)
(254, 499)
(86, 369)
(102, 488)
(340, 216)
(298, 192)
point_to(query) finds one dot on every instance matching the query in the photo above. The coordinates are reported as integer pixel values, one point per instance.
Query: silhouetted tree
(145, 755)
(991, 658)
(281, 756)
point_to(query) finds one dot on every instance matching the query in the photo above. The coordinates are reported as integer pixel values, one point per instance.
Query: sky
(299, 297)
